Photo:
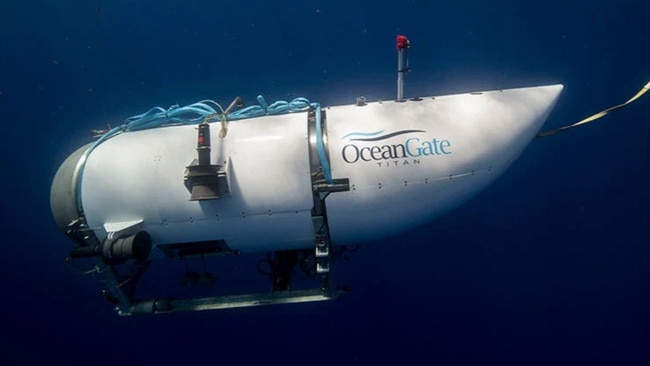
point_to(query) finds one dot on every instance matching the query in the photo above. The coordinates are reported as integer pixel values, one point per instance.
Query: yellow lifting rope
(597, 115)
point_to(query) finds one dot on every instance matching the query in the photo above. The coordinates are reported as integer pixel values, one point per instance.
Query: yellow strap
(597, 115)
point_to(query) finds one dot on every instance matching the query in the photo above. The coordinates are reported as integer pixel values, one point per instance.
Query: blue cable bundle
(198, 112)
(263, 109)
(158, 117)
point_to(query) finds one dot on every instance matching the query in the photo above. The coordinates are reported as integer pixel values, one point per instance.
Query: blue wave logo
(372, 136)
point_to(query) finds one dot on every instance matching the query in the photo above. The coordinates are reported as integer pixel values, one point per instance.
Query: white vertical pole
(400, 76)
(402, 57)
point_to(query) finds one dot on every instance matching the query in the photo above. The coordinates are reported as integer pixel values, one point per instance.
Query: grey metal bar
(160, 306)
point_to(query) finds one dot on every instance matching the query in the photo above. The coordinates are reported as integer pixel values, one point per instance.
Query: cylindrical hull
(406, 163)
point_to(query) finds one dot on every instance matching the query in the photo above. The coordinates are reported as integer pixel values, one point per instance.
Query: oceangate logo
(365, 146)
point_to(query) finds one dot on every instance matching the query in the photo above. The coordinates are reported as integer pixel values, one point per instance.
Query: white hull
(407, 163)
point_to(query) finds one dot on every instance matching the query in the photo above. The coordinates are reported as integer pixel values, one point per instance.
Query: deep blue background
(548, 266)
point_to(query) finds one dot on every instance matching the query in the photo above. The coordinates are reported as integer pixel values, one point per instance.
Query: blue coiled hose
(199, 112)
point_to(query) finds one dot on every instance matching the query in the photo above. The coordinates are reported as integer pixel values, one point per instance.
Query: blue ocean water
(547, 266)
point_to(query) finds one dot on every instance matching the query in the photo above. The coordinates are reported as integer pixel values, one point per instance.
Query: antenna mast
(403, 45)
